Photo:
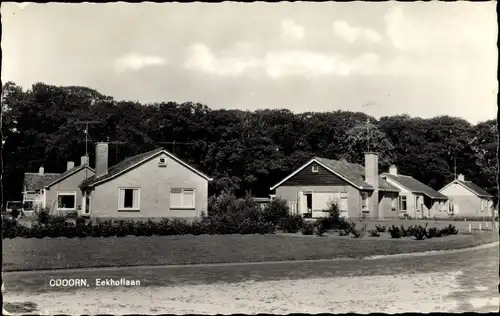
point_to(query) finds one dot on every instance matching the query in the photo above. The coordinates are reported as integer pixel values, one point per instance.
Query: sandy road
(459, 282)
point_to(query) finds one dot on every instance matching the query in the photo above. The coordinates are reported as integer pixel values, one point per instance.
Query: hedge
(122, 228)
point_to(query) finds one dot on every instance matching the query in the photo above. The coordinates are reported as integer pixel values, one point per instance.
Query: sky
(383, 58)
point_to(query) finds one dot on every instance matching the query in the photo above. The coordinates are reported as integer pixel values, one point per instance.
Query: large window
(402, 203)
(129, 199)
(66, 200)
(182, 199)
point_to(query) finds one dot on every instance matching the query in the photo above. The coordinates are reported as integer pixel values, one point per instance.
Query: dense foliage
(244, 151)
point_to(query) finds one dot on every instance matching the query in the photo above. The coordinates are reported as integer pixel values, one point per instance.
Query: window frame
(401, 198)
(314, 169)
(182, 207)
(66, 193)
(121, 204)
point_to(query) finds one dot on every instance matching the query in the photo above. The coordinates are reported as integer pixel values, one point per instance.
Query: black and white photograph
(247, 158)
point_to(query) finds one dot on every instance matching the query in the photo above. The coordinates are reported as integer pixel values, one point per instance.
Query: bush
(275, 211)
(394, 231)
(307, 228)
(42, 217)
(374, 233)
(434, 232)
(320, 229)
(343, 232)
(419, 232)
(15, 213)
(351, 229)
(291, 224)
(380, 228)
(449, 230)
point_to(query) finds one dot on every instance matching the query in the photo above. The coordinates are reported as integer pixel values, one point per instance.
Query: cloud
(292, 30)
(201, 58)
(351, 34)
(443, 31)
(281, 63)
(135, 62)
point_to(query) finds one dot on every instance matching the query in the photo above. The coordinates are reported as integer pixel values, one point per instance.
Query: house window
(364, 200)
(483, 205)
(402, 203)
(343, 202)
(128, 199)
(182, 199)
(315, 169)
(66, 200)
(394, 204)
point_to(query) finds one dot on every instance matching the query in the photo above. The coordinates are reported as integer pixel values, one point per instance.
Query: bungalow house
(359, 191)
(416, 199)
(467, 199)
(59, 192)
(154, 184)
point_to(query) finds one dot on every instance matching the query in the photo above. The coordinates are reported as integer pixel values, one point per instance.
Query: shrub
(394, 231)
(320, 229)
(419, 232)
(275, 211)
(374, 233)
(343, 232)
(434, 232)
(291, 224)
(15, 213)
(307, 228)
(42, 217)
(380, 228)
(351, 229)
(449, 230)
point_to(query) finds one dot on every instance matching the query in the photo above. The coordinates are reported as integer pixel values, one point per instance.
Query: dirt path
(459, 282)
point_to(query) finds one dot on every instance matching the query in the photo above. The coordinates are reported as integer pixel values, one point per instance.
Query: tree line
(245, 151)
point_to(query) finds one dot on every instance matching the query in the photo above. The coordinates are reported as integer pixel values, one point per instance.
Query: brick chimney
(101, 159)
(41, 171)
(461, 177)
(70, 165)
(84, 160)
(371, 177)
(393, 170)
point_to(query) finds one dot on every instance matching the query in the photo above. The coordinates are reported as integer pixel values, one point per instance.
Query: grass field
(59, 253)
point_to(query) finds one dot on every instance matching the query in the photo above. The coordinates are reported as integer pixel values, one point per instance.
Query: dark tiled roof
(415, 186)
(355, 173)
(35, 181)
(68, 173)
(475, 188)
(125, 164)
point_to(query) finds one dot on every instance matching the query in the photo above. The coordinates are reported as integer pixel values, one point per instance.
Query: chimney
(371, 177)
(84, 160)
(70, 165)
(101, 159)
(393, 170)
(41, 171)
(461, 177)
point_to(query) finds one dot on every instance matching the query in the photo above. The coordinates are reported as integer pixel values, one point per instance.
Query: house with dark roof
(59, 192)
(154, 184)
(416, 199)
(467, 199)
(358, 191)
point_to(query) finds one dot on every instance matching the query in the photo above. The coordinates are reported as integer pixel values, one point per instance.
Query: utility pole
(174, 143)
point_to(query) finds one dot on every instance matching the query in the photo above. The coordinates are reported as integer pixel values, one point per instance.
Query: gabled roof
(35, 181)
(477, 190)
(68, 173)
(352, 173)
(415, 186)
(131, 162)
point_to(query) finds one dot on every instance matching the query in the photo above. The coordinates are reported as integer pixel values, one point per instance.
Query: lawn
(59, 253)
